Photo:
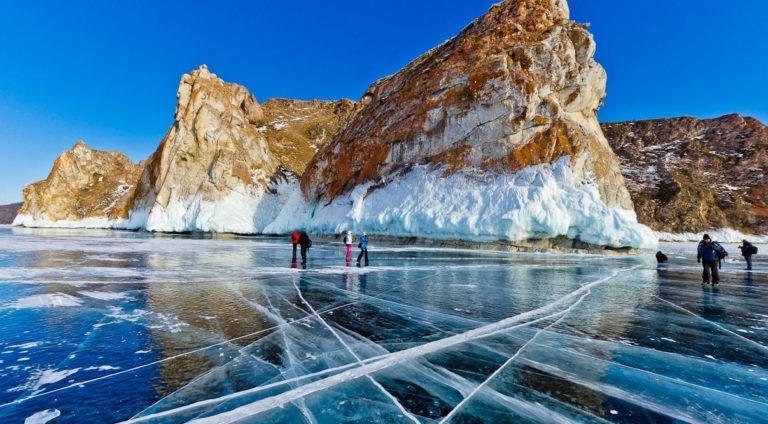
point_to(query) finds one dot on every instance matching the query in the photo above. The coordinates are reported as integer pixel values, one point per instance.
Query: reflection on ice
(176, 329)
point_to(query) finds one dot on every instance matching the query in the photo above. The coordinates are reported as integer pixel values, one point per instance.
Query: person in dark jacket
(363, 249)
(746, 251)
(661, 257)
(707, 256)
(305, 244)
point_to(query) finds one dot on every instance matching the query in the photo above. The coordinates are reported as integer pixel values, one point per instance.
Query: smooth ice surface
(107, 326)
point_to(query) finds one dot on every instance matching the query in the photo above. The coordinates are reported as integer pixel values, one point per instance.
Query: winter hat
(706, 237)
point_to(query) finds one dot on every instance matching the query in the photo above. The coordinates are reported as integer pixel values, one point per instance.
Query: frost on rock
(539, 202)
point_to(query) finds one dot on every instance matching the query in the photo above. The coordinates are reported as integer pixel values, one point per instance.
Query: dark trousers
(363, 251)
(294, 250)
(710, 267)
(303, 254)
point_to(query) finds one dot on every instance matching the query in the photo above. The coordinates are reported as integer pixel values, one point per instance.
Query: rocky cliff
(516, 90)
(692, 175)
(518, 87)
(8, 212)
(216, 169)
(224, 165)
(85, 188)
(489, 136)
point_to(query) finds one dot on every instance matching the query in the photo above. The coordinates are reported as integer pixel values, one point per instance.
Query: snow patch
(105, 295)
(49, 300)
(43, 417)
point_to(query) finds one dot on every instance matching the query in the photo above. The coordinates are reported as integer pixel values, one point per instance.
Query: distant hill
(688, 175)
(8, 212)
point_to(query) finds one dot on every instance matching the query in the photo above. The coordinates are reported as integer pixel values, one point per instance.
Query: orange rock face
(516, 88)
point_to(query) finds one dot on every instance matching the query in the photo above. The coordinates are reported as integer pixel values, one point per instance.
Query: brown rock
(8, 212)
(692, 175)
(518, 87)
(83, 184)
(216, 167)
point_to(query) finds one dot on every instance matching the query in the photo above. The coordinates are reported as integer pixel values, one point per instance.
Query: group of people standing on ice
(362, 244)
(711, 253)
(301, 238)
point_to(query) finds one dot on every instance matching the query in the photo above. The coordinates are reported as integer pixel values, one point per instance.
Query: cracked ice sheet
(592, 338)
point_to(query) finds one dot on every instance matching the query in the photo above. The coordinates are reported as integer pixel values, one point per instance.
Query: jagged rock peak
(225, 148)
(203, 87)
(83, 184)
(516, 88)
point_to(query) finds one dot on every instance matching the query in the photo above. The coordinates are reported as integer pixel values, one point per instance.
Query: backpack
(719, 250)
(752, 249)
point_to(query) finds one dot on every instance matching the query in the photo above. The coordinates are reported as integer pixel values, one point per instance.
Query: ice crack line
(464, 401)
(385, 361)
(716, 325)
(359, 360)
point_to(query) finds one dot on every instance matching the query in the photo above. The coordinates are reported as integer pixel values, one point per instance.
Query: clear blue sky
(107, 71)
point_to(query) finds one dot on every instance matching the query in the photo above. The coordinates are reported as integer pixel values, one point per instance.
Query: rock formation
(518, 88)
(691, 175)
(8, 212)
(85, 188)
(222, 164)
(489, 136)
(218, 168)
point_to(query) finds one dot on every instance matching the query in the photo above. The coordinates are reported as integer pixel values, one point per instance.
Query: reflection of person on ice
(348, 242)
(363, 245)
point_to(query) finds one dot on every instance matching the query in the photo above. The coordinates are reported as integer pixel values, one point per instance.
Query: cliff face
(518, 87)
(225, 164)
(8, 212)
(691, 175)
(490, 136)
(221, 165)
(86, 187)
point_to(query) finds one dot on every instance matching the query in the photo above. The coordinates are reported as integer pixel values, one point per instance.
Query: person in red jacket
(294, 241)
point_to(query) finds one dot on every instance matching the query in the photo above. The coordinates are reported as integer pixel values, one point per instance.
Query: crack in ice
(381, 362)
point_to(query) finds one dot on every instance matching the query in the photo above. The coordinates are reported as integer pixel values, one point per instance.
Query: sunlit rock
(85, 188)
(690, 175)
(515, 90)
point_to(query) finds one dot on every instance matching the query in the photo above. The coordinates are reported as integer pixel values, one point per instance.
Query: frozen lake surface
(102, 326)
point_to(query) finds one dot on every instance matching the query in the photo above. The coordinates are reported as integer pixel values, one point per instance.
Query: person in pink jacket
(348, 242)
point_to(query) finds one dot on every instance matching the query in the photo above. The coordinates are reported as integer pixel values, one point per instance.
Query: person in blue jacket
(707, 256)
(363, 245)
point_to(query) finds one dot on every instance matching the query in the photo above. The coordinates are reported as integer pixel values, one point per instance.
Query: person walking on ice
(363, 245)
(294, 242)
(747, 250)
(305, 244)
(709, 254)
